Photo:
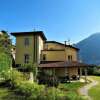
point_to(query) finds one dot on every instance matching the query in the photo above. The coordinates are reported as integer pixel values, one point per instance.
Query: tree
(5, 51)
(5, 42)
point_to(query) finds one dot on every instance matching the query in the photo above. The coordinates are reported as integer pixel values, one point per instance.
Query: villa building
(33, 47)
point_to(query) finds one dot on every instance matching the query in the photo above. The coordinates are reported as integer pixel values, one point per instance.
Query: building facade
(28, 47)
(33, 47)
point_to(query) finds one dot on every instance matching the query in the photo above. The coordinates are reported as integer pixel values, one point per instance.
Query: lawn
(71, 90)
(94, 92)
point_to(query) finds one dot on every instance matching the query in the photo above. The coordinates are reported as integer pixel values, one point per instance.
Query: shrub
(12, 77)
(17, 77)
(56, 94)
(30, 90)
(48, 79)
(33, 91)
(5, 75)
(95, 70)
(52, 81)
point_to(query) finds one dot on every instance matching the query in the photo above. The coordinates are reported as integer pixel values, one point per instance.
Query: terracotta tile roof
(61, 64)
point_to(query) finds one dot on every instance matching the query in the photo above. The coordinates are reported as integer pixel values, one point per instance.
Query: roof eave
(63, 44)
(32, 32)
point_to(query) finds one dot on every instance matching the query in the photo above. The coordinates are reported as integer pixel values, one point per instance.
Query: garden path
(84, 90)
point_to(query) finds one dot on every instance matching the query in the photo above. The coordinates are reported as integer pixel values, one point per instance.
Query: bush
(90, 70)
(12, 77)
(51, 93)
(30, 90)
(52, 81)
(33, 91)
(48, 79)
(55, 94)
(94, 70)
(5, 75)
(97, 73)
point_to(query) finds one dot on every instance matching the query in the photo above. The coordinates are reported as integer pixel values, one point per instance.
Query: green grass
(71, 90)
(71, 86)
(94, 92)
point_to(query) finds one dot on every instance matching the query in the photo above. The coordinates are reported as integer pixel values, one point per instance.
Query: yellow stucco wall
(41, 47)
(21, 49)
(60, 72)
(59, 55)
(73, 52)
(54, 55)
(62, 55)
(53, 46)
(66, 71)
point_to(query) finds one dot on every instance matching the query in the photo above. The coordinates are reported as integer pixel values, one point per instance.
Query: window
(69, 57)
(26, 41)
(44, 56)
(26, 58)
(46, 46)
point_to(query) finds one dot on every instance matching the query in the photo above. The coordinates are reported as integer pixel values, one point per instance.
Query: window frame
(70, 58)
(26, 41)
(26, 58)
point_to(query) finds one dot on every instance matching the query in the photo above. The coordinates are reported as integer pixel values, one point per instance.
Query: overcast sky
(59, 19)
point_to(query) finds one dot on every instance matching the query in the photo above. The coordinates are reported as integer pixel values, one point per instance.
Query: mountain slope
(90, 49)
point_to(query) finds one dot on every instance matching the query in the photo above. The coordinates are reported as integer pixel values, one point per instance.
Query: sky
(60, 20)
